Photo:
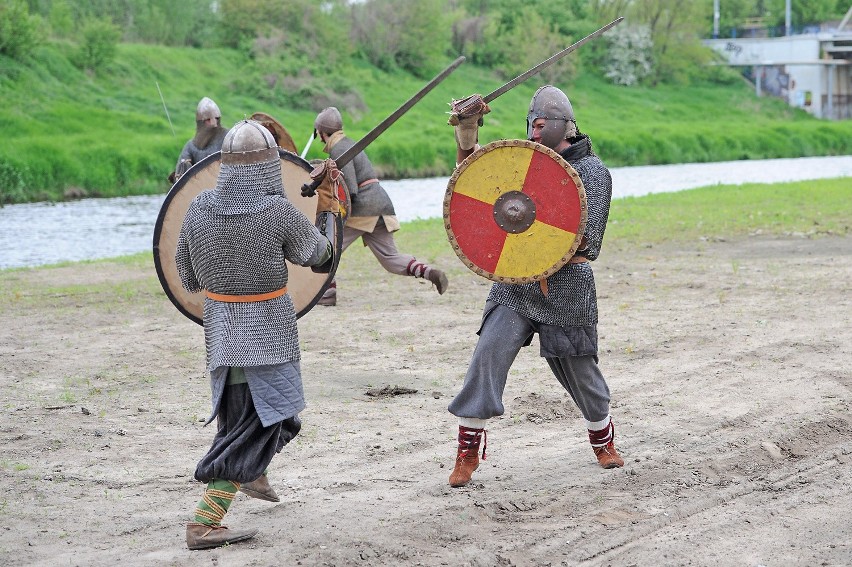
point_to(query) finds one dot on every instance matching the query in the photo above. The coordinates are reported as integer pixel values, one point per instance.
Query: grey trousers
(502, 335)
(381, 244)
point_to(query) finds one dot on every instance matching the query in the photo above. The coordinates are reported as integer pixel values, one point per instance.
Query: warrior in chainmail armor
(233, 245)
(208, 138)
(562, 309)
(372, 217)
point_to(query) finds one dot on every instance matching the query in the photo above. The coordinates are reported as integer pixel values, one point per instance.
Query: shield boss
(515, 211)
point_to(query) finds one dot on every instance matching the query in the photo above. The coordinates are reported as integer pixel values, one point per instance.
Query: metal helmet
(328, 121)
(249, 142)
(207, 109)
(553, 105)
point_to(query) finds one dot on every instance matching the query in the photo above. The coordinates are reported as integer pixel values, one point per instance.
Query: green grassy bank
(68, 133)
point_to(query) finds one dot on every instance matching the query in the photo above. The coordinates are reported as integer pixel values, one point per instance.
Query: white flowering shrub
(630, 55)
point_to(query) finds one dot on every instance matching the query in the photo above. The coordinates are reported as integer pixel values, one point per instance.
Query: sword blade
(547, 62)
(359, 146)
(308, 145)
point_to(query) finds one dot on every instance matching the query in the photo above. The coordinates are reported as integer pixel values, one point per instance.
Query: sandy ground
(729, 364)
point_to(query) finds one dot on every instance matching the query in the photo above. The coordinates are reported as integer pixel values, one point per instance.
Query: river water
(43, 233)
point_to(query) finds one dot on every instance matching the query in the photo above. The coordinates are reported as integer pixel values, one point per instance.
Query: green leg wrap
(217, 499)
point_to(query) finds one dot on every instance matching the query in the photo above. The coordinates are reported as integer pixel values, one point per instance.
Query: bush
(100, 40)
(19, 31)
(631, 53)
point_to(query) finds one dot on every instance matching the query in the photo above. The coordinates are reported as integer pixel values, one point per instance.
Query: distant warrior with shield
(233, 245)
(372, 218)
(562, 307)
(208, 138)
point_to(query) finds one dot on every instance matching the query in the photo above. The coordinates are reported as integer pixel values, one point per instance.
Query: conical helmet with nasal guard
(248, 142)
(553, 105)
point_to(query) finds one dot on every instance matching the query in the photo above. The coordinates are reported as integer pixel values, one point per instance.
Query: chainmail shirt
(571, 300)
(235, 240)
(195, 154)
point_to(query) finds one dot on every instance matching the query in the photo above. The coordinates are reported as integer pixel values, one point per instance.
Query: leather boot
(467, 461)
(329, 296)
(202, 536)
(608, 457)
(420, 270)
(259, 488)
(467, 457)
(440, 280)
(603, 444)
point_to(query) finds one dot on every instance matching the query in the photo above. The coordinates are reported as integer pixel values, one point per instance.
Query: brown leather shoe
(440, 280)
(202, 536)
(608, 457)
(329, 297)
(259, 488)
(467, 461)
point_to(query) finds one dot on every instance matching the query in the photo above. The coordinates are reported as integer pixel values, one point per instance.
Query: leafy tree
(511, 38)
(19, 30)
(414, 36)
(98, 45)
(301, 28)
(675, 26)
(61, 19)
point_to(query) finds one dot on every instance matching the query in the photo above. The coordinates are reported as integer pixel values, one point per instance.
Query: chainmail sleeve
(598, 184)
(182, 258)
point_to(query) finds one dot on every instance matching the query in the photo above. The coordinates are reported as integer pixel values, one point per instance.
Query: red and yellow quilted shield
(513, 211)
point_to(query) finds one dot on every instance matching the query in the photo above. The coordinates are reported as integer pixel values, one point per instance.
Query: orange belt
(246, 298)
(367, 182)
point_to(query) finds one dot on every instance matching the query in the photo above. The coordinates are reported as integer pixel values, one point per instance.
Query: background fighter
(372, 218)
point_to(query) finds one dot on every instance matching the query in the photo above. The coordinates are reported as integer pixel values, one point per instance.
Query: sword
(466, 106)
(308, 145)
(309, 189)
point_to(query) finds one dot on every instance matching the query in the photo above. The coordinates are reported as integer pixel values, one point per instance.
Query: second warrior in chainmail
(372, 218)
(563, 311)
(207, 140)
(233, 245)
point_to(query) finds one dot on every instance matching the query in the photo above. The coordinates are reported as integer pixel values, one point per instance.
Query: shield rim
(581, 228)
(176, 188)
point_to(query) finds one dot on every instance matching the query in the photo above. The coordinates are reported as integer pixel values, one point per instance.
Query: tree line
(302, 44)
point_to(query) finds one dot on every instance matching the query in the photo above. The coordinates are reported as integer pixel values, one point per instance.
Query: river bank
(42, 233)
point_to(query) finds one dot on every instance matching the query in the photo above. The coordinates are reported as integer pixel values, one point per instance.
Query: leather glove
(466, 117)
(331, 178)
(182, 167)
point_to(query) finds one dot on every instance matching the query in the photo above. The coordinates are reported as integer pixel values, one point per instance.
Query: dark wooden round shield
(304, 285)
(279, 132)
(515, 211)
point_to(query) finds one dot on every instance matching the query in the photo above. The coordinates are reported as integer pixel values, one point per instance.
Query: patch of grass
(812, 208)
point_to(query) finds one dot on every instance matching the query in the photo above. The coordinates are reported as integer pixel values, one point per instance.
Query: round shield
(304, 285)
(279, 132)
(515, 211)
